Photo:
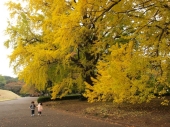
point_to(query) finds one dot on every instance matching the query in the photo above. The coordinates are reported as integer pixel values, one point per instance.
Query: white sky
(5, 70)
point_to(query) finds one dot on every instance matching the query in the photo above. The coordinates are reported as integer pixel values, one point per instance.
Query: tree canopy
(2, 82)
(110, 50)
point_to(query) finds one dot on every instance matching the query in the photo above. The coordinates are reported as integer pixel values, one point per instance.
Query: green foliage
(43, 99)
(10, 79)
(67, 97)
(70, 97)
(11, 84)
(2, 82)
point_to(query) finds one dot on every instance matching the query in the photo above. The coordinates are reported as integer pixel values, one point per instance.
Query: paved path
(16, 113)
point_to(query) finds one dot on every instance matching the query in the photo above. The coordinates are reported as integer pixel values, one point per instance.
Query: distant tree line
(10, 83)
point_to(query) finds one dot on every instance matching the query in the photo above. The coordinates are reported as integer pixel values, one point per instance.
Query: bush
(43, 99)
(72, 97)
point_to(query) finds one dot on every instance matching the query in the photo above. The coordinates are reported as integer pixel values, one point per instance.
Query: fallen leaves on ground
(139, 115)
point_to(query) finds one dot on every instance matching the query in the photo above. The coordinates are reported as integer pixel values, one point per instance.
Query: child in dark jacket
(32, 107)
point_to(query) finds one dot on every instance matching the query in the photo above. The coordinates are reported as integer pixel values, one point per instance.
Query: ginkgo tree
(135, 72)
(64, 44)
(50, 47)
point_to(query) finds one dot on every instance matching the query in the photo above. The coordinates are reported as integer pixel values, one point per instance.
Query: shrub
(72, 97)
(43, 99)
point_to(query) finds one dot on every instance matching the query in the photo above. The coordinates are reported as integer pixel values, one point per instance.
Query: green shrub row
(67, 97)
(42, 99)
(72, 97)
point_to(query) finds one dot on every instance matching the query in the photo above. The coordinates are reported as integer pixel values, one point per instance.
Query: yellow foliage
(124, 43)
(121, 79)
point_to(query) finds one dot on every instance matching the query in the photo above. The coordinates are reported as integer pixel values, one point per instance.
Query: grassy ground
(151, 114)
(7, 95)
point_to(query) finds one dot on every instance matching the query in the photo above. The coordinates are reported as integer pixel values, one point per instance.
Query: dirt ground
(151, 114)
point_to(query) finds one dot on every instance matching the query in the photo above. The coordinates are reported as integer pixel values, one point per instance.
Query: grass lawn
(7, 95)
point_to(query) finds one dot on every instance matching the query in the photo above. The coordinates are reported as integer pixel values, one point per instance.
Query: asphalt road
(16, 113)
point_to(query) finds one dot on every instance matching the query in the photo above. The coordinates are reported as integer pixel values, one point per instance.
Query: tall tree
(58, 40)
(136, 71)
(58, 43)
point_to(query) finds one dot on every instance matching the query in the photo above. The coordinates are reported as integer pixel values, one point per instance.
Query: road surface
(16, 113)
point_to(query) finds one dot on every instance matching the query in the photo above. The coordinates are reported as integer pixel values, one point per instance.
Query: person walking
(32, 107)
(40, 108)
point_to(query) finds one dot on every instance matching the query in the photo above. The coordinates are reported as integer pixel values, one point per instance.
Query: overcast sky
(5, 70)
